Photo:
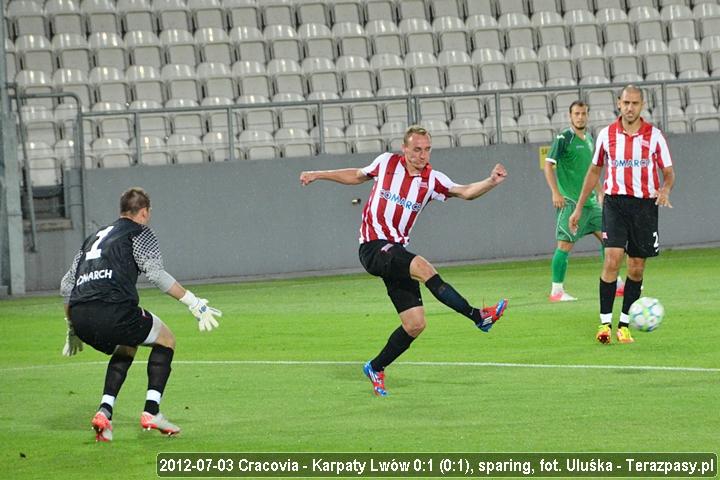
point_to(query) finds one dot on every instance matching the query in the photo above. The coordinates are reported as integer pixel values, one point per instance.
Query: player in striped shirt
(404, 184)
(634, 153)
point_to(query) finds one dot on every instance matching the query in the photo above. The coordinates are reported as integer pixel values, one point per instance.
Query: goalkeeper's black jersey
(108, 265)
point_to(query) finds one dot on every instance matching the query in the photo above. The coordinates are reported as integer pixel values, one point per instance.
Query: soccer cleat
(377, 379)
(102, 426)
(604, 333)
(148, 421)
(561, 297)
(490, 315)
(624, 336)
(620, 288)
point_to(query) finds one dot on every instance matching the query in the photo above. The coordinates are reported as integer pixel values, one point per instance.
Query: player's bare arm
(476, 189)
(558, 200)
(591, 181)
(663, 198)
(346, 176)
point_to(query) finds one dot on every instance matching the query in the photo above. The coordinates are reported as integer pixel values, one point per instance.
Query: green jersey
(572, 156)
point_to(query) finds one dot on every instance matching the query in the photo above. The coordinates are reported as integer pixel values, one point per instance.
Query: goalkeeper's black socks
(158, 371)
(607, 296)
(398, 342)
(115, 376)
(445, 293)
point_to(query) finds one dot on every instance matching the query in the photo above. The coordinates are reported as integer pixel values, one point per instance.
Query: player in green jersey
(565, 168)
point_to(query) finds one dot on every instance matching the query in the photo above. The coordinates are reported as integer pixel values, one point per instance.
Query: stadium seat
(518, 30)
(151, 124)
(550, 29)
(451, 34)
(214, 46)
(258, 144)
(589, 60)
(317, 41)
(186, 123)
(216, 80)
(393, 134)
(600, 98)
(172, 15)
(385, 37)
(380, 10)
(112, 152)
(419, 35)
(431, 108)
(72, 51)
(257, 118)
(39, 124)
(44, 167)
(648, 24)
(64, 16)
(66, 116)
(364, 138)
(615, 25)
(465, 106)
(557, 62)
(26, 17)
(283, 42)
(145, 83)
(334, 115)
(365, 112)
(480, 7)
(278, 12)
(390, 71)
(469, 132)
(242, 13)
(598, 119)
(656, 57)
(35, 81)
(679, 21)
(511, 133)
(35, 53)
(249, 44)
(117, 125)
(179, 46)
(333, 140)
(180, 82)
(582, 27)
(312, 11)
(394, 110)
(286, 75)
(355, 73)
(711, 47)
(351, 39)
(68, 80)
(144, 49)
(321, 76)
(186, 148)
(703, 117)
(623, 58)
(707, 16)
(11, 67)
(676, 120)
(508, 104)
(412, 9)
(252, 78)
(536, 103)
(568, 5)
(217, 120)
(207, 14)
(108, 50)
(217, 147)
(524, 64)
(294, 142)
(424, 69)
(536, 128)
(101, 16)
(153, 150)
(441, 136)
(485, 32)
(675, 93)
(300, 116)
(109, 85)
(453, 8)
(136, 15)
(688, 54)
(67, 155)
(352, 11)
(491, 65)
(457, 68)
(699, 93)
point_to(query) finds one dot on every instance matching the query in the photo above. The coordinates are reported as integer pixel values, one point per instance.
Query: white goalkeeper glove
(73, 344)
(200, 309)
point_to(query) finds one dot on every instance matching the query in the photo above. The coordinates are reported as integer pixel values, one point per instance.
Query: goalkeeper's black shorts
(104, 325)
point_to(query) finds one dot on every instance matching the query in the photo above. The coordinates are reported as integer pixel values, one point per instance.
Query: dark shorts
(104, 326)
(631, 223)
(391, 262)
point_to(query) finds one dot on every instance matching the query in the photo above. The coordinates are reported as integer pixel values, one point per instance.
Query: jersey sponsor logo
(94, 275)
(630, 163)
(403, 202)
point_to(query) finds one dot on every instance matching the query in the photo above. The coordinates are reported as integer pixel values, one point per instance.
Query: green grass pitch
(230, 391)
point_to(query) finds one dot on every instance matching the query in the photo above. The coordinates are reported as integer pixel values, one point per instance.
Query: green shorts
(590, 221)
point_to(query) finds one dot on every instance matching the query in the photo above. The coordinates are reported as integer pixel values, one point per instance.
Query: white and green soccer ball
(646, 314)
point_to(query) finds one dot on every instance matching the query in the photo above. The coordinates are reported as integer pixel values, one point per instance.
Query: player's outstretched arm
(476, 189)
(345, 176)
(204, 313)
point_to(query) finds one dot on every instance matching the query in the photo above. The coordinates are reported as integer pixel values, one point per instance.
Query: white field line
(72, 364)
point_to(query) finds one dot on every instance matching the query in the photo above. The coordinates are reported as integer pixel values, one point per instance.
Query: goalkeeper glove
(200, 309)
(73, 344)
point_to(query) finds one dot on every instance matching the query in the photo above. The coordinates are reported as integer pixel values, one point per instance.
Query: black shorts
(104, 326)
(631, 223)
(391, 262)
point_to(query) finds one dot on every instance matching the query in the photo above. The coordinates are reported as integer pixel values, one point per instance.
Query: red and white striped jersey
(397, 198)
(633, 161)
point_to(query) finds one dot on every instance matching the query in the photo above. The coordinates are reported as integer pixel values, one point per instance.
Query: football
(646, 314)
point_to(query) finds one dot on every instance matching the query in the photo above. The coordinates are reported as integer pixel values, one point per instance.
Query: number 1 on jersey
(94, 251)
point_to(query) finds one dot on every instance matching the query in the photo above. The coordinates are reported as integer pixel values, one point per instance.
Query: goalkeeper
(101, 308)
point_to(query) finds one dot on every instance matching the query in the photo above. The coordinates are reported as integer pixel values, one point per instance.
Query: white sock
(154, 396)
(109, 399)
(606, 318)
(557, 288)
(624, 318)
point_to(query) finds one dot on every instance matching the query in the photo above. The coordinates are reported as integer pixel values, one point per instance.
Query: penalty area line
(659, 368)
